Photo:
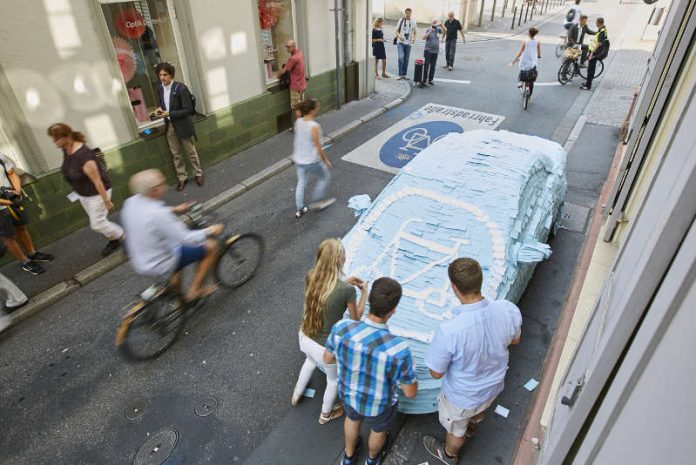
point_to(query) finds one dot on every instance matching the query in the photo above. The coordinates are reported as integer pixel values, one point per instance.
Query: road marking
(547, 84)
(451, 80)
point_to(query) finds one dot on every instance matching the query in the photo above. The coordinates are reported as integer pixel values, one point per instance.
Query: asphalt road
(65, 391)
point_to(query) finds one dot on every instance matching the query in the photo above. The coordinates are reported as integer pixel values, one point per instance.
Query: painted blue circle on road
(403, 146)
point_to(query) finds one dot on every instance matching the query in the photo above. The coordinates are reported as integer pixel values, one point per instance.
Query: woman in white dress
(528, 56)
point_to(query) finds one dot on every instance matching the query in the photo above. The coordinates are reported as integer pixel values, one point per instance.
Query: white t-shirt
(576, 18)
(529, 58)
(4, 180)
(304, 151)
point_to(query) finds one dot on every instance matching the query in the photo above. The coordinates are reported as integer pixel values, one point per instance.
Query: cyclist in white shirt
(572, 16)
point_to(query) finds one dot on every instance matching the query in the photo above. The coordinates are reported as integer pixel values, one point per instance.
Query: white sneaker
(299, 213)
(322, 204)
(5, 322)
(296, 398)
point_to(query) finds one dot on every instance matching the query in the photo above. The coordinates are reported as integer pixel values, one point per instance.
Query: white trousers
(12, 294)
(315, 359)
(98, 221)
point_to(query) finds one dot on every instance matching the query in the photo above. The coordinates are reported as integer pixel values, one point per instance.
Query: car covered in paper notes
(490, 195)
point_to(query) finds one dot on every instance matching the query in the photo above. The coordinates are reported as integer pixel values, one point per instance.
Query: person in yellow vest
(599, 49)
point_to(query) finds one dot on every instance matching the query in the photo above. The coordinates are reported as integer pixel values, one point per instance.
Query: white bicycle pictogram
(418, 139)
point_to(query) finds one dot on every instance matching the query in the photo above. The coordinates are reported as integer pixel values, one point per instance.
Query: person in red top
(296, 67)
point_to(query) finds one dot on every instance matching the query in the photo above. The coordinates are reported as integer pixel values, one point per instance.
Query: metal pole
(502, 13)
(483, 2)
(368, 46)
(338, 56)
(493, 10)
(519, 18)
(514, 16)
(531, 15)
(526, 13)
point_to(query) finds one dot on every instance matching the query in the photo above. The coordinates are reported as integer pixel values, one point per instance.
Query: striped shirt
(371, 363)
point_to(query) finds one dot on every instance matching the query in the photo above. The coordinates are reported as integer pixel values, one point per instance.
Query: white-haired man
(158, 243)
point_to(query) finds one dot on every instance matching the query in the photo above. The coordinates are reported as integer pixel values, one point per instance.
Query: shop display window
(142, 36)
(277, 27)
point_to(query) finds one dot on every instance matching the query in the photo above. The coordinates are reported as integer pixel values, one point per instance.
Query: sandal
(336, 412)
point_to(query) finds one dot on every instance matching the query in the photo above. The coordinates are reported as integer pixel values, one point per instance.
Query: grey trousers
(11, 294)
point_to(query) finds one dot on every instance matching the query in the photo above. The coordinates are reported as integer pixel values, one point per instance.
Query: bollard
(502, 14)
(519, 18)
(514, 14)
(493, 10)
(526, 13)
(483, 2)
(531, 15)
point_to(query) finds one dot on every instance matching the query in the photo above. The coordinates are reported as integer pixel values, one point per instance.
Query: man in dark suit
(176, 106)
(576, 36)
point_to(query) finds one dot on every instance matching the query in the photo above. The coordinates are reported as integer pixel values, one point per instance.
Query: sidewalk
(78, 260)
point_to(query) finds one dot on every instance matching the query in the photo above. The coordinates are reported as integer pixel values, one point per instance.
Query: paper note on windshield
(73, 196)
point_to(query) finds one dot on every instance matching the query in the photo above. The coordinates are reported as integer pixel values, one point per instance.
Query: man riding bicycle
(158, 243)
(576, 37)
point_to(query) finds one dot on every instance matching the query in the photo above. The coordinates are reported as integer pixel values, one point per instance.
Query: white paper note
(309, 392)
(531, 385)
(502, 411)
(73, 196)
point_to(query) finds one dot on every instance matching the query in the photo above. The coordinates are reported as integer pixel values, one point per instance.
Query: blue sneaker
(351, 460)
(382, 453)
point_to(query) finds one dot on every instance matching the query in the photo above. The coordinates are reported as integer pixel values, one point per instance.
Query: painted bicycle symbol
(403, 146)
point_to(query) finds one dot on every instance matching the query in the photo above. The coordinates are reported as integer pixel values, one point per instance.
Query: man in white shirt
(405, 34)
(158, 243)
(470, 354)
(573, 15)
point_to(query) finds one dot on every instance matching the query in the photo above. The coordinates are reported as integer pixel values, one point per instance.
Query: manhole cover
(157, 449)
(574, 217)
(205, 406)
(135, 410)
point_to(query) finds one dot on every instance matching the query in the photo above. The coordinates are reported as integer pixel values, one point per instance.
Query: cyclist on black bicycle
(576, 37)
(158, 243)
(528, 56)
(599, 48)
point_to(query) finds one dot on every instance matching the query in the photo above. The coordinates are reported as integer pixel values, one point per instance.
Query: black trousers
(591, 66)
(429, 66)
(450, 50)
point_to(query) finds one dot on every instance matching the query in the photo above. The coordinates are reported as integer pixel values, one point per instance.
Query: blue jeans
(404, 51)
(320, 170)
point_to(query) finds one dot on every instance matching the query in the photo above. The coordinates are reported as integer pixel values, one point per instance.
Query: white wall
(320, 46)
(226, 43)
(423, 10)
(58, 69)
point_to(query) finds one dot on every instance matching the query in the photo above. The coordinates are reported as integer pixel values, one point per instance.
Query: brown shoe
(199, 180)
(181, 184)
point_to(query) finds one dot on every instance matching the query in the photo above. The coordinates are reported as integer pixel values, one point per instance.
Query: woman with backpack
(327, 297)
(90, 182)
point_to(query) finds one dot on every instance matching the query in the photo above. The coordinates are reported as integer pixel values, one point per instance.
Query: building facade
(90, 63)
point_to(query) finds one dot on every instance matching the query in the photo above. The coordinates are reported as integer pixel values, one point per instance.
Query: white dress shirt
(154, 235)
(471, 350)
(167, 91)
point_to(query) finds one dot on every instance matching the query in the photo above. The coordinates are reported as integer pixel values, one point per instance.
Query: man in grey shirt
(158, 243)
(432, 48)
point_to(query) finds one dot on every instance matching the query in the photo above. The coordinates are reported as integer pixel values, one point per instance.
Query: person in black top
(576, 36)
(378, 47)
(600, 49)
(452, 26)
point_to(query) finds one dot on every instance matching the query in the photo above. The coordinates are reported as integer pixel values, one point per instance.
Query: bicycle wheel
(239, 260)
(565, 74)
(525, 97)
(599, 68)
(559, 49)
(153, 329)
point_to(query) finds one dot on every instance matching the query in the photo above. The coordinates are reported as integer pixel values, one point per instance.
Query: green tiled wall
(220, 135)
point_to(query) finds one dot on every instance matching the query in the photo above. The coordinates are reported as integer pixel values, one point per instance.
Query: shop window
(142, 36)
(277, 27)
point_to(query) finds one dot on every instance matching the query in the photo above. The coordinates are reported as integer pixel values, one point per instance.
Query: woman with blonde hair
(326, 299)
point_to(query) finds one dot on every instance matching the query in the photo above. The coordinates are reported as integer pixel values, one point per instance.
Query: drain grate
(205, 406)
(135, 410)
(574, 217)
(157, 449)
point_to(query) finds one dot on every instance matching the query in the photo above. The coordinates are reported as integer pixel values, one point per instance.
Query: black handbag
(284, 80)
(398, 29)
(529, 75)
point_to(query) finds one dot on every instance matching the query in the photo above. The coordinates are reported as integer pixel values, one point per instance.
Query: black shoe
(40, 257)
(33, 267)
(111, 246)
(585, 87)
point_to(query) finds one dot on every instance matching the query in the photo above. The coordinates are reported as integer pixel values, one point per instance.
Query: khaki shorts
(296, 97)
(454, 419)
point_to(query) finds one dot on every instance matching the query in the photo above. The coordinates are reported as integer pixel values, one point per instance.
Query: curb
(53, 294)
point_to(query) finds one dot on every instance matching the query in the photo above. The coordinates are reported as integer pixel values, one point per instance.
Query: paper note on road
(531, 385)
(309, 392)
(502, 411)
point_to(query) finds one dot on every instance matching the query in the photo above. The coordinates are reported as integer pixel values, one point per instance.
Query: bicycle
(153, 322)
(570, 67)
(526, 92)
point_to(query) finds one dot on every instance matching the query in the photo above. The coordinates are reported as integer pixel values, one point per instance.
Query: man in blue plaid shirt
(371, 364)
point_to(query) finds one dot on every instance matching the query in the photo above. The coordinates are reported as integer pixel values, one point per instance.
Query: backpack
(194, 101)
(570, 16)
(100, 159)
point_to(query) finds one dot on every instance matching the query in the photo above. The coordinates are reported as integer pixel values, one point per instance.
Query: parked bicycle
(570, 67)
(155, 320)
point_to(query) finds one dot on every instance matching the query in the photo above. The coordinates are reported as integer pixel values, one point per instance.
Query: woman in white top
(528, 56)
(309, 158)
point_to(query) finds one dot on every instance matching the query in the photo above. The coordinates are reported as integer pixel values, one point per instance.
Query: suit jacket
(573, 32)
(180, 110)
